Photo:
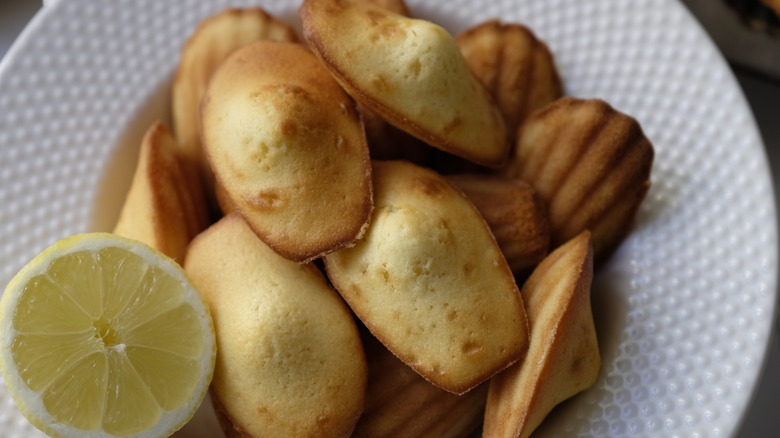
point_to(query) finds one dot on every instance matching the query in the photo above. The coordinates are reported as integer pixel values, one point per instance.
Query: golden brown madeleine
(515, 214)
(385, 141)
(516, 67)
(401, 404)
(429, 281)
(287, 145)
(396, 6)
(289, 357)
(563, 358)
(590, 164)
(212, 42)
(411, 73)
(165, 206)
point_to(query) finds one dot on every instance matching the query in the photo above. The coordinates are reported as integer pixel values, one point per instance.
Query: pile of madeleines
(395, 230)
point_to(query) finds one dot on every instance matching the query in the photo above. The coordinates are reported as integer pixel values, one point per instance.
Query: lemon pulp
(108, 340)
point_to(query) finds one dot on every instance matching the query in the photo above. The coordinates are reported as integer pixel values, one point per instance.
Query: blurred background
(748, 34)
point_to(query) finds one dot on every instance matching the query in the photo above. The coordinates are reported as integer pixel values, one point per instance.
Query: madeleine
(411, 73)
(430, 282)
(563, 358)
(288, 149)
(516, 67)
(166, 204)
(401, 404)
(590, 164)
(289, 357)
(216, 38)
(515, 214)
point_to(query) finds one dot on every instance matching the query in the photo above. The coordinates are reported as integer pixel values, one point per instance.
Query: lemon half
(103, 336)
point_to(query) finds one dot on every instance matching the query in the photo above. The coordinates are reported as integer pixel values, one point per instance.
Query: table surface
(763, 95)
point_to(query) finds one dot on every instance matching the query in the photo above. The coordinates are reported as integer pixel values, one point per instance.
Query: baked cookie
(563, 358)
(590, 164)
(516, 67)
(212, 42)
(165, 206)
(289, 357)
(411, 73)
(396, 6)
(515, 214)
(429, 281)
(401, 404)
(288, 148)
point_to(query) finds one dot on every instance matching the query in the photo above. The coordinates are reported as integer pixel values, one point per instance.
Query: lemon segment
(87, 384)
(44, 309)
(43, 357)
(164, 374)
(76, 275)
(104, 336)
(126, 415)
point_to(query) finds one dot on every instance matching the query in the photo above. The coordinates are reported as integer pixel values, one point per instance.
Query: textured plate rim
(40, 18)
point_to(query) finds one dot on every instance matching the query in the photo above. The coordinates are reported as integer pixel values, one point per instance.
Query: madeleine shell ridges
(563, 357)
(401, 404)
(515, 213)
(590, 164)
(516, 67)
(287, 146)
(166, 204)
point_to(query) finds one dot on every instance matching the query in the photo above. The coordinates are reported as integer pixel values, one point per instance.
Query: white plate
(684, 308)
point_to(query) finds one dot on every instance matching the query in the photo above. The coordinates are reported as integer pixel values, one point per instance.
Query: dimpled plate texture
(685, 307)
